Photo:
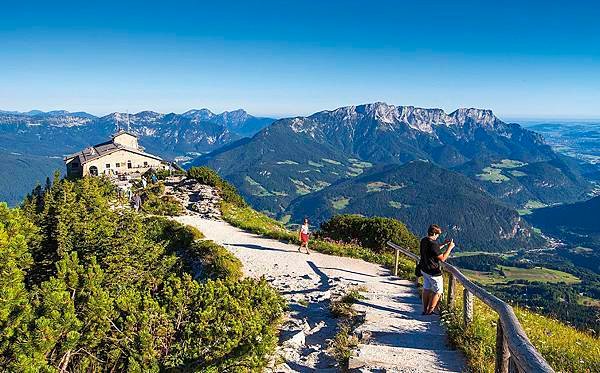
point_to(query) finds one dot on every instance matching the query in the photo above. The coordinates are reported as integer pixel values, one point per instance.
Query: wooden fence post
(467, 307)
(451, 290)
(502, 351)
(396, 262)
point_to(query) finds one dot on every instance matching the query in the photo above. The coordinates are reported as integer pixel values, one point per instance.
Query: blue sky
(523, 59)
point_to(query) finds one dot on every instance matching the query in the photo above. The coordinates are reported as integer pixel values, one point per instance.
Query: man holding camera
(431, 256)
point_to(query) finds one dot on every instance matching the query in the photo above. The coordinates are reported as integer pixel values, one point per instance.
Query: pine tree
(15, 260)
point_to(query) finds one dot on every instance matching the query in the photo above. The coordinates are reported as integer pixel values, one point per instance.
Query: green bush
(217, 262)
(253, 221)
(227, 326)
(175, 234)
(208, 176)
(86, 287)
(373, 233)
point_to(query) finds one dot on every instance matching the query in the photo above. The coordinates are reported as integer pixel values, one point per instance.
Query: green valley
(504, 275)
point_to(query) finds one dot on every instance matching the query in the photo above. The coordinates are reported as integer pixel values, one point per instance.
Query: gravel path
(394, 336)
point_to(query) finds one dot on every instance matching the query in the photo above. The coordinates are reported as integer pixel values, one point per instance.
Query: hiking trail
(394, 336)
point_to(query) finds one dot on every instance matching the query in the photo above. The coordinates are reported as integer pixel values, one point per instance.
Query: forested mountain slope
(577, 226)
(19, 172)
(420, 193)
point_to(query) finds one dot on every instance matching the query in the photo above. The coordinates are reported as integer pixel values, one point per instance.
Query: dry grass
(565, 348)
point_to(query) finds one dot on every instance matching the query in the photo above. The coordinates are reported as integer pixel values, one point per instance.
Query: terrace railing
(514, 351)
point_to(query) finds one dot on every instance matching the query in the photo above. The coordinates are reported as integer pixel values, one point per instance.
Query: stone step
(405, 359)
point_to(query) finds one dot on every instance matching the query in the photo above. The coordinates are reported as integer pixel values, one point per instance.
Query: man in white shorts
(431, 256)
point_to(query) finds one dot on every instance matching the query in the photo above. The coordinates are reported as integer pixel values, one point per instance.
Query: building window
(145, 164)
(128, 164)
(117, 165)
(108, 165)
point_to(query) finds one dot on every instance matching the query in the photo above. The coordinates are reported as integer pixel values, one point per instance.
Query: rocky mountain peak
(483, 117)
(202, 114)
(234, 117)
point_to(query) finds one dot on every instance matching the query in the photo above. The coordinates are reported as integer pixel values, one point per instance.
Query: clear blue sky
(519, 58)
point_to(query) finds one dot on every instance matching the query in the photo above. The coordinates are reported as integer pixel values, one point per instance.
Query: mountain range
(313, 166)
(33, 143)
(57, 133)
(511, 163)
(349, 160)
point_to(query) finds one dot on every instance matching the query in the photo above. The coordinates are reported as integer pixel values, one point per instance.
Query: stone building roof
(105, 148)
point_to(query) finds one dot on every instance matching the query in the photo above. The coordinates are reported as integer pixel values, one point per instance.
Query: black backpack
(418, 269)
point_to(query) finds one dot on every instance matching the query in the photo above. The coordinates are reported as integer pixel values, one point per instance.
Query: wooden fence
(514, 351)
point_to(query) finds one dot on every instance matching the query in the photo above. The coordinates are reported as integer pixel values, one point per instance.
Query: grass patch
(343, 307)
(285, 219)
(301, 187)
(493, 175)
(532, 204)
(321, 185)
(380, 186)
(587, 301)
(362, 164)
(504, 275)
(253, 221)
(397, 205)
(355, 171)
(342, 344)
(509, 163)
(340, 203)
(331, 161)
(565, 348)
(258, 189)
(303, 302)
(516, 173)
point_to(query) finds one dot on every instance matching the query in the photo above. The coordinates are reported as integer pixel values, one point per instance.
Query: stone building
(120, 156)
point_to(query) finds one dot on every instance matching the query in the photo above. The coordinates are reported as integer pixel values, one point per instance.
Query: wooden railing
(514, 351)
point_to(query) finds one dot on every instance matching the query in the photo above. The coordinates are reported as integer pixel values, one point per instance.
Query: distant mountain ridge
(495, 154)
(60, 132)
(41, 139)
(386, 133)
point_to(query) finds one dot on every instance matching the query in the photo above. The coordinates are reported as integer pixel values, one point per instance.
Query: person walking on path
(304, 234)
(431, 256)
(137, 202)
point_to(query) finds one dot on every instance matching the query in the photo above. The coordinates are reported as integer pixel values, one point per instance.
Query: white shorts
(433, 283)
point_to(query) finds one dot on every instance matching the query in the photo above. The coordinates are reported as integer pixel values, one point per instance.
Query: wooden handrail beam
(522, 352)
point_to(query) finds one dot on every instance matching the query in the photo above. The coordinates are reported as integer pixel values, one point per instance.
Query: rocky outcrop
(198, 199)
